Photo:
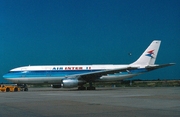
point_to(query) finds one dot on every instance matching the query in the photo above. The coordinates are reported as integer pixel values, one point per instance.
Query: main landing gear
(88, 88)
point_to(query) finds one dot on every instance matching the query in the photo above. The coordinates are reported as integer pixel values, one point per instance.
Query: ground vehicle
(9, 88)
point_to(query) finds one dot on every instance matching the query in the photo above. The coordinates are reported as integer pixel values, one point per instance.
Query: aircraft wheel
(25, 89)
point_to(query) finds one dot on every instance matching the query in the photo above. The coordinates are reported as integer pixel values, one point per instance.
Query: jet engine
(72, 82)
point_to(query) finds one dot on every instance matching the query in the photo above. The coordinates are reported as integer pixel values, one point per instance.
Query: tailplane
(149, 56)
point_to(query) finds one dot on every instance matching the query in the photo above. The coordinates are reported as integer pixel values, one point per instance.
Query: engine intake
(71, 82)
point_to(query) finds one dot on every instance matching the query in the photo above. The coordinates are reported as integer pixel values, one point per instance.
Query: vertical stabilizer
(149, 56)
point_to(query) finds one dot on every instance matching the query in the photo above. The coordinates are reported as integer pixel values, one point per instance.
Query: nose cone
(8, 77)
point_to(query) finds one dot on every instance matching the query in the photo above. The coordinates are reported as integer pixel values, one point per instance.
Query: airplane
(70, 76)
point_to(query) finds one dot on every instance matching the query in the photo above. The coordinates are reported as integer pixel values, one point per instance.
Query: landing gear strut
(81, 87)
(91, 87)
(23, 87)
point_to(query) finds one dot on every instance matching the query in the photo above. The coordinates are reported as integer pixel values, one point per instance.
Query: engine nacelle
(56, 85)
(71, 82)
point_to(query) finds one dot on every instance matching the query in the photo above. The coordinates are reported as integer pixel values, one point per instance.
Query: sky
(59, 32)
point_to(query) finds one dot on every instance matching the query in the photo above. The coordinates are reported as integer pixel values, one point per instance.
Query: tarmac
(103, 102)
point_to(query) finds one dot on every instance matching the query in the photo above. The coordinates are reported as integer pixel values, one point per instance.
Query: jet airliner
(69, 76)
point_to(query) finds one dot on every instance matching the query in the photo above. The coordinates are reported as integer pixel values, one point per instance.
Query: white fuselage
(56, 73)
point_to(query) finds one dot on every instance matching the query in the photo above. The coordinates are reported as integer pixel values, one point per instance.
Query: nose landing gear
(23, 87)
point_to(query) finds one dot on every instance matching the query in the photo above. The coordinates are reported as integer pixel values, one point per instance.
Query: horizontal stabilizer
(153, 67)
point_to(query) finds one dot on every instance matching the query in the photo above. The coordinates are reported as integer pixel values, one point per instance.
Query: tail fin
(149, 56)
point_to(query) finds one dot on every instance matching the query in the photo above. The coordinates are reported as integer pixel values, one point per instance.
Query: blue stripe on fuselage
(61, 73)
(52, 73)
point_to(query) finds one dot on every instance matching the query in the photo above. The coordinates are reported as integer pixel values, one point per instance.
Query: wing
(92, 76)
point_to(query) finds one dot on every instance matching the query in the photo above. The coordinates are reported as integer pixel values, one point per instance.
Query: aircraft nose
(5, 76)
(9, 78)
(8, 75)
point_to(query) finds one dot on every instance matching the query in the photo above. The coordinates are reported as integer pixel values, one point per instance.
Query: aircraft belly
(17, 80)
(35, 80)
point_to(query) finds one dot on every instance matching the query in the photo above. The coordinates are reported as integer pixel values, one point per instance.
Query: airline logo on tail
(150, 53)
